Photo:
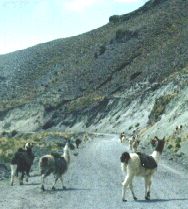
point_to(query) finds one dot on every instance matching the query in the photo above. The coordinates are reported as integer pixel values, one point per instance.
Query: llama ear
(156, 138)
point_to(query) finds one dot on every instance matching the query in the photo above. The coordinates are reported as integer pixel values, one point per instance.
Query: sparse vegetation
(9, 145)
(159, 107)
(124, 35)
(137, 125)
(102, 49)
(130, 127)
(174, 142)
(135, 75)
(84, 102)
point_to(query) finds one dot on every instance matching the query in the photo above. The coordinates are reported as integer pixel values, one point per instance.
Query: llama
(21, 163)
(122, 137)
(139, 164)
(56, 164)
(178, 130)
(78, 142)
(133, 144)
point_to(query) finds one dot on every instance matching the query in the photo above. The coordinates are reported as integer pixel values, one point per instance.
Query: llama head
(160, 145)
(154, 141)
(28, 145)
(125, 157)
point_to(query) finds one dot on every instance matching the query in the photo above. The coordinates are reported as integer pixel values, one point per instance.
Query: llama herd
(54, 163)
(133, 140)
(133, 164)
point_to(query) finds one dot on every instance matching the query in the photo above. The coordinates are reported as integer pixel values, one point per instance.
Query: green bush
(137, 125)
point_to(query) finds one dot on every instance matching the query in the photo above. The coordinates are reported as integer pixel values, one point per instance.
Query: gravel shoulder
(94, 181)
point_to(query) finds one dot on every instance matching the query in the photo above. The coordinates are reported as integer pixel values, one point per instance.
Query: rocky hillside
(130, 73)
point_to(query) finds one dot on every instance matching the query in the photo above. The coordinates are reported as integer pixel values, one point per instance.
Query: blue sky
(25, 23)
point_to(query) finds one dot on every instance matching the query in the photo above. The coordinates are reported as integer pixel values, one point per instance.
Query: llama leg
(21, 178)
(13, 173)
(61, 178)
(125, 184)
(27, 176)
(147, 187)
(132, 191)
(42, 182)
(130, 146)
(12, 180)
(53, 187)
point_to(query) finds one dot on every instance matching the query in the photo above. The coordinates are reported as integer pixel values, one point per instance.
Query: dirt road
(93, 181)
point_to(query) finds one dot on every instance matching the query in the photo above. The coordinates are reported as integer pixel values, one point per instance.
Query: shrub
(102, 49)
(13, 133)
(124, 35)
(96, 55)
(169, 146)
(130, 127)
(137, 125)
(159, 107)
(135, 75)
(114, 19)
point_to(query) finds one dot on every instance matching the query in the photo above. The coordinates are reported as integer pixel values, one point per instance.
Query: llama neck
(66, 155)
(156, 155)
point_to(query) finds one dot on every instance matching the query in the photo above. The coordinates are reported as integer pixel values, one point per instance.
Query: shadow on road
(162, 200)
(31, 184)
(76, 189)
(67, 190)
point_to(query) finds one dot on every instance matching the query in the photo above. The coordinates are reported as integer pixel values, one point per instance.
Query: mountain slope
(131, 72)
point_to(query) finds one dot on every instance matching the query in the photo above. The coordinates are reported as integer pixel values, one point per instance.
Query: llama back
(136, 166)
(46, 163)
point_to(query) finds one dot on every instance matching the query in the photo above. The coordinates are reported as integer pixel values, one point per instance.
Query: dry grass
(84, 101)
(9, 145)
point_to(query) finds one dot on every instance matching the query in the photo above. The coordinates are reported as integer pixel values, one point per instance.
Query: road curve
(93, 181)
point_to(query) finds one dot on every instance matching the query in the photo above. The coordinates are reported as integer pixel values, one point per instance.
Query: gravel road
(93, 181)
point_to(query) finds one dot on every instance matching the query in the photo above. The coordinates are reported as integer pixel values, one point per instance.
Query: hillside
(132, 72)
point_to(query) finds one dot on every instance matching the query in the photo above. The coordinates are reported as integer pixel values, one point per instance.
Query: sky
(24, 23)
